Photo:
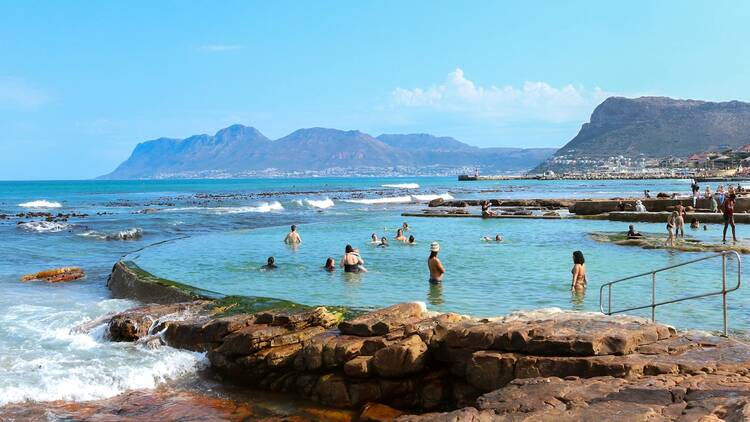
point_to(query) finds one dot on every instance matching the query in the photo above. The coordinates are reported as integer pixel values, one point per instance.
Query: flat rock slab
(382, 321)
(559, 334)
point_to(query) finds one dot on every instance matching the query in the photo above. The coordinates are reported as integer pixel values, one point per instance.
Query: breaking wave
(320, 203)
(420, 198)
(44, 226)
(391, 200)
(129, 234)
(402, 186)
(262, 208)
(41, 203)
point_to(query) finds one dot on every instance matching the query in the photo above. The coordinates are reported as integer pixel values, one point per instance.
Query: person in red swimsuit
(728, 209)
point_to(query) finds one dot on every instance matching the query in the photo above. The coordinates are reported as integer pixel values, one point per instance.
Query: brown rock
(359, 367)
(250, 339)
(296, 320)
(382, 321)
(403, 358)
(488, 371)
(332, 390)
(278, 357)
(136, 323)
(376, 412)
(340, 349)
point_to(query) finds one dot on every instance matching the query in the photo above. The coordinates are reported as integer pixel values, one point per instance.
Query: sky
(81, 83)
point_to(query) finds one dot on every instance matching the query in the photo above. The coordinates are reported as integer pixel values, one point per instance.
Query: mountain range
(241, 150)
(660, 127)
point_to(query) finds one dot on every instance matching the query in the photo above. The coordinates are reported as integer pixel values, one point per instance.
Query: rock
(404, 358)
(136, 323)
(250, 339)
(488, 371)
(295, 320)
(359, 367)
(436, 202)
(57, 275)
(382, 321)
(331, 390)
(375, 412)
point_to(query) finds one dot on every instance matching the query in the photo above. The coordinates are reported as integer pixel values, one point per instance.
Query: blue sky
(82, 82)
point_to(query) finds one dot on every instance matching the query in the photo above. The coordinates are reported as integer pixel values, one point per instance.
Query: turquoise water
(221, 231)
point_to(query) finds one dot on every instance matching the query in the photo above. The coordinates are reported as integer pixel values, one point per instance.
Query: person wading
(435, 266)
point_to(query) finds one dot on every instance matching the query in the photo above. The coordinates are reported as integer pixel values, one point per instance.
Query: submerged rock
(653, 241)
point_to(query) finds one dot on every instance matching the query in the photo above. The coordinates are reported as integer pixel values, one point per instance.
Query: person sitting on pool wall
(434, 265)
(292, 237)
(486, 211)
(270, 264)
(632, 234)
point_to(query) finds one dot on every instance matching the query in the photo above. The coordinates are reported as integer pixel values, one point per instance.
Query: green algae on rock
(654, 241)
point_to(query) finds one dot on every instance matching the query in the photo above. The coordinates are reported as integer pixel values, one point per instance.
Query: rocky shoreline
(538, 365)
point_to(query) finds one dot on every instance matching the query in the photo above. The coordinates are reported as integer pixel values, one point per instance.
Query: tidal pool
(530, 269)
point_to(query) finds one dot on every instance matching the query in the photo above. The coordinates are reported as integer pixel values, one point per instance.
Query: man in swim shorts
(435, 266)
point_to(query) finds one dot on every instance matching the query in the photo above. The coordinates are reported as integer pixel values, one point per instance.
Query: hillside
(239, 150)
(659, 127)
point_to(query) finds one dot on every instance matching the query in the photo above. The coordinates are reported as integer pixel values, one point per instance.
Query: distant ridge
(659, 127)
(239, 150)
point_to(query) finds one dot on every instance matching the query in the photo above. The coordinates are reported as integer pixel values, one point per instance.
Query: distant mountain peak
(239, 149)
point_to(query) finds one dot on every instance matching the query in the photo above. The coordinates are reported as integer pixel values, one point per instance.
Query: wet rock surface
(566, 365)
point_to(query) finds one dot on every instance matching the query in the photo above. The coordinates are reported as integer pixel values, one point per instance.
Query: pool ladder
(654, 304)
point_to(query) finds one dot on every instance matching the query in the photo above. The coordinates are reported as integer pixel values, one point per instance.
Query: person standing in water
(292, 238)
(374, 239)
(579, 272)
(330, 265)
(400, 236)
(352, 262)
(728, 209)
(435, 266)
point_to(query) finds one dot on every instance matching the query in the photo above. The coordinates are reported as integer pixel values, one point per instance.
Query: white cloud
(17, 93)
(532, 101)
(219, 48)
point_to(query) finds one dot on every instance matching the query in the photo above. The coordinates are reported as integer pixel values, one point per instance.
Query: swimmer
(405, 226)
(434, 265)
(412, 240)
(352, 262)
(632, 234)
(695, 224)
(270, 264)
(374, 239)
(579, 272)
(400, 236)
(293, 237)
(330, 265)
(497, 238)
(383, 242)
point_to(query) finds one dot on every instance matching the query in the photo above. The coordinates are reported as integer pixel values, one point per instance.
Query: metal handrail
(654, 304)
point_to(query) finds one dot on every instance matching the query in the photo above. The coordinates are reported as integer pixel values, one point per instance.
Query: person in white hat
(433, 263)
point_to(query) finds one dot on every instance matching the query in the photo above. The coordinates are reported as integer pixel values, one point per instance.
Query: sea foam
(321, 203)
(421, 198)
(41, 203)
(375, 201)
(44, 226)
(401, 186)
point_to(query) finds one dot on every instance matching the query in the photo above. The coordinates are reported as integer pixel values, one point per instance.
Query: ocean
(216, 234)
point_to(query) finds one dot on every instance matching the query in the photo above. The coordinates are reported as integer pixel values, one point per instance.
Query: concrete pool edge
(415, 361)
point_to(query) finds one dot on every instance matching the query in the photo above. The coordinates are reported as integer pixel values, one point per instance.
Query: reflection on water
(578, 299)
(435, 294)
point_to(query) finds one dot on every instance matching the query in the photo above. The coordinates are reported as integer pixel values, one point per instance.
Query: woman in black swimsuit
(351, 261)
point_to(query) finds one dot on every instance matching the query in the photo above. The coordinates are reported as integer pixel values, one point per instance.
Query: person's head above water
(294, 227)
(383, 240)
(405, 225)
(498, 238)
(348, 249)
(374, 237)
(399, 233)
(578, 258)
(271, 261)
(631, 227)
(411, 239)
(330, 263)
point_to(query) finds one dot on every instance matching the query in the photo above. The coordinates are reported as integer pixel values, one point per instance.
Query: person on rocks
(400, 236)
(671, 222)
(292, 238)
(728, 210)
(680, 223)
(352, 262)
(486, 211)
(434, 265)
(632, 234)
(579, 272)
(330, 265)
(270, 264)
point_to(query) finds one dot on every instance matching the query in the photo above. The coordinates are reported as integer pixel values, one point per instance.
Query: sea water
(219, 232)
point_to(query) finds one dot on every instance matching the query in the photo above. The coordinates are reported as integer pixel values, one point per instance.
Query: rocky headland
(402, 361)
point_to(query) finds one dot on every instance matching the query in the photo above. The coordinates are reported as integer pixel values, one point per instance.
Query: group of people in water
(352, 261)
